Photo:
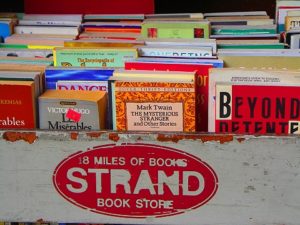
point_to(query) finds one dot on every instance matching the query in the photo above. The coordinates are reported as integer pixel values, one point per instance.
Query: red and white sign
(135, 180)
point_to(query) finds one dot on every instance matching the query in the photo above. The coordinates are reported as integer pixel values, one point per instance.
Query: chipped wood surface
(258, 177)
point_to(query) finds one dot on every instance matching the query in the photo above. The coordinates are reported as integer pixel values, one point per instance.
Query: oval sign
(135, 180)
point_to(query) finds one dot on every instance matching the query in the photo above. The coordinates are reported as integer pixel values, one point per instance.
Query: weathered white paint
(259, 179)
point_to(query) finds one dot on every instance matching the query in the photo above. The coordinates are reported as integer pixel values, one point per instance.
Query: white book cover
(46, 30)
(57, 17)
(295, 41)
(49, 23)
(82, 85)
(175, 51)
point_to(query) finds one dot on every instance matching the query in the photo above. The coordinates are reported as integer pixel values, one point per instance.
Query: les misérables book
(153, 101)
(201, 83)
(72, 110)
(257, 109)
(257, 103)
(18, 106)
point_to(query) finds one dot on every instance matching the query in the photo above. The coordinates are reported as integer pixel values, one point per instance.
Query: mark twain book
(153, 101)
(17, 105)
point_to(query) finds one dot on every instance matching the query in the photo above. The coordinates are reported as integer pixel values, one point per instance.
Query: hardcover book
(176, 29)
(93, 57)
(72, 110)
(17, 104)
(153, 101)
(257, 109)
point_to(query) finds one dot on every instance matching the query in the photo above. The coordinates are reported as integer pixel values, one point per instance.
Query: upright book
(72, 110)
(257, 109)
(153, 101)
(17, 104)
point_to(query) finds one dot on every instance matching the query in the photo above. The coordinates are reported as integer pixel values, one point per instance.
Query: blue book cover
(4, 30)
(54, 74)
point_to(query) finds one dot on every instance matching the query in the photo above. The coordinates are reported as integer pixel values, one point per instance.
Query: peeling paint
(204, 138)
(114, 137)
(241, 139)
(29, 137)
(94, 134)
(74, 135)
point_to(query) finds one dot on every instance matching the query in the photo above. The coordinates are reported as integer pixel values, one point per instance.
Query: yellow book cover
(292, 22)
(154, 106)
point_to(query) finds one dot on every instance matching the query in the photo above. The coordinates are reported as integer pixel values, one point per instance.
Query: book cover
(201, 84)
(17, 104)
(257, 109)
(72, 110)
(93, 57)
(175, 51)
(292, 22)
(153, 104)
(243, 30)
(176, 29)
(56, 74)
(262, 77)
(20, 29)
(82, 85)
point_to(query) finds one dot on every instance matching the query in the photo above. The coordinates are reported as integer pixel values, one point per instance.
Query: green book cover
(167, 29)
(93, 57)
(252, 46)
(243, 31)
(4, 45)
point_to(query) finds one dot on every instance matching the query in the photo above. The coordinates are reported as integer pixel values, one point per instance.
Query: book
(243, 30)
(114, 17)
(265, 77)
(5, 29)
(295, 41)
(182, 42)
(18, 52)
(241, 13)
(18, 105)
(20, 29)
(175, 51)
(102, 42)
(36, 77)
(174, 16)
(52, 17)
(52, 22)
(80, 74)
(82, 85)
(215, 62)
(25, 60)
(292, 22)
(257, 109)
(93, 57)
(201, 84)
(176, 29)
(153, 101)
(72, 110)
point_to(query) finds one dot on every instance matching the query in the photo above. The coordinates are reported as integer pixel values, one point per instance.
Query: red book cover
(246, 109)
(201, 85)
(17, 105)
(89, 7)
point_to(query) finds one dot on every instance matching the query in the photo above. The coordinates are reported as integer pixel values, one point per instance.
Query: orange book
(162, 101)
(17, 105)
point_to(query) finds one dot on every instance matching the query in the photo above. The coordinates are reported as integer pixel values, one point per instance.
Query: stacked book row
(213, 72)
